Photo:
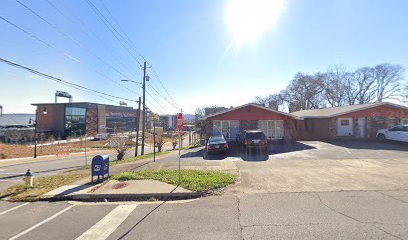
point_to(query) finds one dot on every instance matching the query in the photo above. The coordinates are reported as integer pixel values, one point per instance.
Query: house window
(273, 129)
(228, 128)
(217, 128)
(404, 121)
(344, 122)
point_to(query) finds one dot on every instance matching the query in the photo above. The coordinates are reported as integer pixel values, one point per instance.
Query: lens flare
(248, 20)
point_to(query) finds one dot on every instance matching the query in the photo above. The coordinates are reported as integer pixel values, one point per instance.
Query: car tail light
(210, 147)
(226, 146)
(246, 142)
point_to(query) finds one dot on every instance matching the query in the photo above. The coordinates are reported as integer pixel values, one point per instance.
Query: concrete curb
(124, 197)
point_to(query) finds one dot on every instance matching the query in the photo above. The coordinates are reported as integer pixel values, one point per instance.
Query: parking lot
(309, 166)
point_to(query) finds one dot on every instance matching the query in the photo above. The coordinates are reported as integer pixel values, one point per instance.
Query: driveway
(309, 166)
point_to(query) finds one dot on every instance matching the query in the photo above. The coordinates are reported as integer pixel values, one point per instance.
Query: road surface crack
(352, 218)
(397, 199)
(239, 215)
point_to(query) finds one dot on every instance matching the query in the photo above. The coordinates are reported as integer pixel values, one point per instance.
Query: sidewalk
(84, 190)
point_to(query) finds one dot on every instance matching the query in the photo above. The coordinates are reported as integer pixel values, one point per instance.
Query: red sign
(180, 122)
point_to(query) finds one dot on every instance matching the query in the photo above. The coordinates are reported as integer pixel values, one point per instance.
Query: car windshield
(216, 140)
(255, 135)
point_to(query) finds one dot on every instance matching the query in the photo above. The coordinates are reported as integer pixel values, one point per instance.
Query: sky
(199, 53)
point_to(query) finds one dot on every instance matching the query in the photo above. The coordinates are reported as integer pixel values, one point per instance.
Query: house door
(344, 127)
(361, 125)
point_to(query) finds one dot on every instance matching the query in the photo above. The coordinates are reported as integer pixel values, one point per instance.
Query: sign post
(180, 131)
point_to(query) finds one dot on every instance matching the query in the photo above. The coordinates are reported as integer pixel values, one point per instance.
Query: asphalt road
(12, 172)
(378, 213)
(323, 215)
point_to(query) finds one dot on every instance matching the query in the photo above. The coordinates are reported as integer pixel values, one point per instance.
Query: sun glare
(249, 19)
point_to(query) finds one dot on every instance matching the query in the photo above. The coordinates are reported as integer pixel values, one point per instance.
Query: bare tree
(335, 82)
(274, 101)
(388, 80)
(159, 142)
(305, 91)
(119, 144)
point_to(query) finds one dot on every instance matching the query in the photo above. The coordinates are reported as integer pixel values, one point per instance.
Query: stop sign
(180, 122)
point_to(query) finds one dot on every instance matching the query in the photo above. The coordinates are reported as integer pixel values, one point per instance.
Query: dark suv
(252, 140)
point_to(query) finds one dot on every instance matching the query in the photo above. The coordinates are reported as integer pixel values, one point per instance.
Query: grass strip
(134, 159)
(42, 185)
(194, 180)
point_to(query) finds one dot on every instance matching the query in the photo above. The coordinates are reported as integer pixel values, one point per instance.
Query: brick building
(73, 119)
(276, 125)
(354, 121)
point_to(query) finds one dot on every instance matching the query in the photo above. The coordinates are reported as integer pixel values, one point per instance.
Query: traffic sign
(180, 122)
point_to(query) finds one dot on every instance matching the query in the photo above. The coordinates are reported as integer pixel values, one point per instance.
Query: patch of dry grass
(42, 185)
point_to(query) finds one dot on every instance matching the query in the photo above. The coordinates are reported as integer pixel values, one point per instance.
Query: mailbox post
(100, 166)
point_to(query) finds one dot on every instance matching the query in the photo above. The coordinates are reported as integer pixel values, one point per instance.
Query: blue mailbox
(100, 166)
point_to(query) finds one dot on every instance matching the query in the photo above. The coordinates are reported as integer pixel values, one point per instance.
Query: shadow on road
(371, 145)
(235, 151)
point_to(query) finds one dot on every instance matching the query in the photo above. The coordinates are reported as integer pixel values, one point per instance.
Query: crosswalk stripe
(41, 223)
(14, 208)
(105, 227)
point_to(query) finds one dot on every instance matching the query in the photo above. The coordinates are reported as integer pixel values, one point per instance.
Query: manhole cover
(119, 185)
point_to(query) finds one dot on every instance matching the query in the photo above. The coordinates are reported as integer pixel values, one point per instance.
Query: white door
(344, 127)
(361, 125)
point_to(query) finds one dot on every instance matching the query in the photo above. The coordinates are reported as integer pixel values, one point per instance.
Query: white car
(397, 133)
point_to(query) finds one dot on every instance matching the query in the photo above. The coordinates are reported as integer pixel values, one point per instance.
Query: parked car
(217, 144)
(252, 140)
(397, 133)
(101, 136)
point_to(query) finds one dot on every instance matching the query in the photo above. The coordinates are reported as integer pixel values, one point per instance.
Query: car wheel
(381, 137)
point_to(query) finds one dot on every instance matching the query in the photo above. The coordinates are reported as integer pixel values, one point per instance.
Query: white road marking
(105, 227)
(14, 208)
(41, 223)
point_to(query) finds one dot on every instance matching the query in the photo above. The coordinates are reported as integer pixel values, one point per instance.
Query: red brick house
(230, 122)
(354, 121)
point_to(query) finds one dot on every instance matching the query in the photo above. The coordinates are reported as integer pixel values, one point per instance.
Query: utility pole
(137, 127)
(35, 133)
(144, 107)
(154, 141)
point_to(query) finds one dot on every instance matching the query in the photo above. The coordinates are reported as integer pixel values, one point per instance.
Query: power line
(39, 39)
(88, 31)
(160, 95)
(67, 55)
(77, 43)
(156, 101)
(132, 46)
(162, 85)
(112, 29)
(59, 80)
(49, 23)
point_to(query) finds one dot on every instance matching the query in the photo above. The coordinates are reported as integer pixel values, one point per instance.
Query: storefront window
(75, 123)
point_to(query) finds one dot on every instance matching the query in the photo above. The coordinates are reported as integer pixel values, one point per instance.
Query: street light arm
(127, 80)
